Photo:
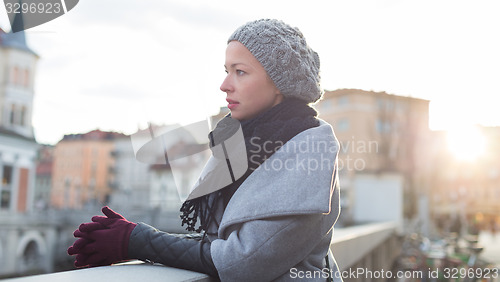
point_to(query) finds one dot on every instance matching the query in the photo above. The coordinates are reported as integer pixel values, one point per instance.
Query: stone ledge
(131, 271)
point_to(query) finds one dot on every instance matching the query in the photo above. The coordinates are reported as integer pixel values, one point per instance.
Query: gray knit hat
(283, 52)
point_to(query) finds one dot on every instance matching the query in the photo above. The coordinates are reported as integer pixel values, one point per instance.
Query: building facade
(43, 178)
(466, 191)
(23, 241)
(380, 135)
(131, 183)
(83, 170)
(17, 142)
(174, 156)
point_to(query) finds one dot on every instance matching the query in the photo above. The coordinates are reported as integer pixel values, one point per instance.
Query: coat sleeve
(186, 251)
(265, 249)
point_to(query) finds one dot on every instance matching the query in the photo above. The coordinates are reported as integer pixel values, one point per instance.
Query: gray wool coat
(277, 226)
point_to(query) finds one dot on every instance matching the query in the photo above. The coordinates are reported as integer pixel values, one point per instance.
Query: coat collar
(298, 179)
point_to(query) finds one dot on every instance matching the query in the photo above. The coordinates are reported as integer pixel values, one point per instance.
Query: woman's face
(249, 90)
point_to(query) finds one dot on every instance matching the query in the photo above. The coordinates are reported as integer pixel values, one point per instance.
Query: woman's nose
(226, 85)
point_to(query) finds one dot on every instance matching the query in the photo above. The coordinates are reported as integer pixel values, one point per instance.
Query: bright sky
(117, 65)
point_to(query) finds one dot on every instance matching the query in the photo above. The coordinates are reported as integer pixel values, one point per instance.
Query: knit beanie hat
(283, 52)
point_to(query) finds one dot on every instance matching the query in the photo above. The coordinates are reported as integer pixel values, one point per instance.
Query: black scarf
(275, 127)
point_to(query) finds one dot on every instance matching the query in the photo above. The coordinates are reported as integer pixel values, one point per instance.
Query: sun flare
(466, 143)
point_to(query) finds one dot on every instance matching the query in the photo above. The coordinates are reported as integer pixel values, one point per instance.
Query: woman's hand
(103, 241)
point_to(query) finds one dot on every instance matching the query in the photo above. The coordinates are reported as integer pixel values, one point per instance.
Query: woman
(275, 222)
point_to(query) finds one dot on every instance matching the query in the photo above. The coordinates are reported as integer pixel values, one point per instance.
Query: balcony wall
(371, 246)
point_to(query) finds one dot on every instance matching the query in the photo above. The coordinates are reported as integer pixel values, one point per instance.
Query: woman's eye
(240, 72)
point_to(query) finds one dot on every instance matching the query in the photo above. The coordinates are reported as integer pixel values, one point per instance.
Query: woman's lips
(231, 104)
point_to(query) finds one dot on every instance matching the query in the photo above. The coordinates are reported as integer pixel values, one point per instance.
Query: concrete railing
(371, 246)
(374, 246)
(364, 252)
(132, 271)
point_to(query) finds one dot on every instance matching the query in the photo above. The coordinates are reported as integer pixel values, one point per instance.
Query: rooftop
(348, 91)
(93, 135)
(15, 40)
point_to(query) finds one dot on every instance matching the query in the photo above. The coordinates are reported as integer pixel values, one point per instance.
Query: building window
(6, 187)
(26, 77)
(342, 125)
(12, 118)
(385, 105)
(14, 77)
(22, 121)
(382, 126)
(379, 126)
(380, 103)
(343, 101)
(4, 199)
(17, 115)
(7, 175)
(326, 105)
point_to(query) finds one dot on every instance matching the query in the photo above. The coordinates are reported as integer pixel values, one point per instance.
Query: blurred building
(23, 241)
(83, 170)
(17, 141)
(157, 167)
(131, 182)
(172, 182)
(223, 111)
(466, 192)
(43, 179)
(382, 139)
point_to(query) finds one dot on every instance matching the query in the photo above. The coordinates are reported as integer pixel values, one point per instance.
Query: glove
(84, 238)
(103, 241)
